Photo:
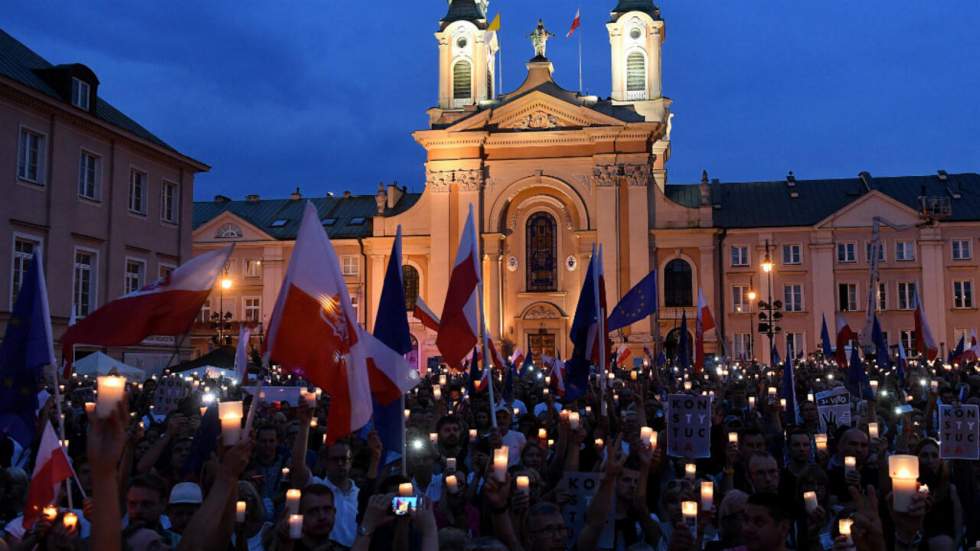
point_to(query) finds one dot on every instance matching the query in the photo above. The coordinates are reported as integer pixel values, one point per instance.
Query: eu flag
(27, 347)
(881, 345)
(827, 349)
(584, 324)
(638, 303)
(857, 379)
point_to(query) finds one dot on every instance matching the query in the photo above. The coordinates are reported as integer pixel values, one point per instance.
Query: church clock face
(461, 42)
(635, 34)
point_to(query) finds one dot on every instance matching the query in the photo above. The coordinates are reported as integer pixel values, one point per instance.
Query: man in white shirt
(345, 493)
(514, 440)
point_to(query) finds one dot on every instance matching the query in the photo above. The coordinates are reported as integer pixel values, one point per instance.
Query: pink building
(109, 203)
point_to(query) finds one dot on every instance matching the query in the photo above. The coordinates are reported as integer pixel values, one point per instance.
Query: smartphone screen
(402, 505)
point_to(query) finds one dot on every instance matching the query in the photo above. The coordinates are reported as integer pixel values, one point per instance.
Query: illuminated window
(542, 252)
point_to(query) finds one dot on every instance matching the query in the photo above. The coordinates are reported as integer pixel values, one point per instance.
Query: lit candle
(240, 508)
(707, 495)
(451, 464)
(782, 404)
(844, 527)
(405, 489)
(292, 500)
(70, 520)
(821, 441)
(688, 385)
(547, 380)
(810, 498)
(874, 385)
(563, 415)
(523, 484)
(231, 429)
(690, 471)
(472, 435)
(873, 430)
(772, 394)
(573, 420)
(903, 470)
(545, 391)
(50, 513)
(934, 385)
(314, 422)
(751, 402)
(204, 409)
(850, 464)
(226, 409)
(437, 392)
(588, 410)
(89, 407)
(517, 412)
(809, 397)
(408, 413)
(295, 527)
(733, 438)
(111, 390)
(452, 484)
(924, 489)
(551, 442)
(500, 460)
(285, 472)
(633, 375)
(646, 435)
(690, 511)
(542, 435)
(599, 443)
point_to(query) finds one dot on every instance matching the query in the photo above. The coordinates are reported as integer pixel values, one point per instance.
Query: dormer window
(279, 222)
(328, 221)
(80, 91)
(357, 221)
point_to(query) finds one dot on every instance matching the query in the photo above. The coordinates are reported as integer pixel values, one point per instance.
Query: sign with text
(959, 432)
(689, 426)
(579, 489)
(834, 405)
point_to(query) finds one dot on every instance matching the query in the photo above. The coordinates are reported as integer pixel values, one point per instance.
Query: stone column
(273, 271)
(933, 292)
(707, 283)
(638, 179)
(605, 182)
(440, 255)
(822, 301)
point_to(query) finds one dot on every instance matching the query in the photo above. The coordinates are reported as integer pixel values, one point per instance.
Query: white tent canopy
(211, 372)
(98, 363)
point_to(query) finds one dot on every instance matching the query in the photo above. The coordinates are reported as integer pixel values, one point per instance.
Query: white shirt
(433, 491)
(345, 523)
(515, 442)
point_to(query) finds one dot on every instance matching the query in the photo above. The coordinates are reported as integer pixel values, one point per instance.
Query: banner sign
(579, 489)
(272, 394)
(959, 432)
(689, 426)
(834, 405)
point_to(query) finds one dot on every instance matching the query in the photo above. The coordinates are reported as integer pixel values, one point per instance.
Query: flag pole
(486, 356)
(581, 90)
(600, 337)
(404, 443)
(61, 426)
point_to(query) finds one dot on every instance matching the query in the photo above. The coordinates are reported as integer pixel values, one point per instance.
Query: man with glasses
(337, 460)
(546, 529)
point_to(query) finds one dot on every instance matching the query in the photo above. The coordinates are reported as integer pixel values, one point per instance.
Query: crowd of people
(510, 474)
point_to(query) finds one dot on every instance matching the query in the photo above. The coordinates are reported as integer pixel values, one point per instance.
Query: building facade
(552, 173)
(107, 202)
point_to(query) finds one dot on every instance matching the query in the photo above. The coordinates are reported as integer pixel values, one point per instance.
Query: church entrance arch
(542, 330)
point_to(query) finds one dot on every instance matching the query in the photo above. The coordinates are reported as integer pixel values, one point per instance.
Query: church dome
(466, 10)
(645, 6)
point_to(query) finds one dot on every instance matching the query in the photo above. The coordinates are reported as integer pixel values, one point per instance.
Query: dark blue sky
(323, 94)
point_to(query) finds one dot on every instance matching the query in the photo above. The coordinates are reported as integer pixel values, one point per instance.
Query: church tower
(467, 55)
(636, 36)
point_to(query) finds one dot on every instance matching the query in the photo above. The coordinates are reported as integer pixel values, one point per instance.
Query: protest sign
(579, 489)
(834, 405)
(689, 426)
(959, 432)
(272, 394)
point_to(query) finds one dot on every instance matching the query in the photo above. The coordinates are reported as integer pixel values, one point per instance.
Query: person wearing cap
(185, 500)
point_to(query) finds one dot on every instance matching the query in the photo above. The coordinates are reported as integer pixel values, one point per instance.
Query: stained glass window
(542, 252)
(677, 284)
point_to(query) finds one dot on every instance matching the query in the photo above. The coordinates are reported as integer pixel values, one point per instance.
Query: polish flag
(844, 335)
(972, 353)
(517, 358)
(166, 307)
(51, 468)
(576, 23)
(313, 331)
(458, 329)
(425, 315)
(704, 323)
(495, 357)
(924, 342)
(558, 376)
(623, 355)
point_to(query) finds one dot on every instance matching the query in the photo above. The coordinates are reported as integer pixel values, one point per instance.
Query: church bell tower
(467, 55)
(636, 36)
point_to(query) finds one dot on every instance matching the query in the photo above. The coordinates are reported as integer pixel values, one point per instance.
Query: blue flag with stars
(27, 348)
(638, 303)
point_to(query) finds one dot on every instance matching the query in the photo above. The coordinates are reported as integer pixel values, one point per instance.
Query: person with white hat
(185, 500)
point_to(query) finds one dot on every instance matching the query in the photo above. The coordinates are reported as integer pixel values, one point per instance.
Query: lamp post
(768, 319)
(751, 295)
(225, 283)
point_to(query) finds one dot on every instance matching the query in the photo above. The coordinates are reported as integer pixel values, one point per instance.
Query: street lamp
(768, 319)
(751, 295)
(223, 284)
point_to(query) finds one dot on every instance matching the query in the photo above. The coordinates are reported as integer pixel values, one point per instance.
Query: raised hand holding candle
(690, 471)
(821, 442)
(810, 498)
(646, 436)
(240, 508)
(707, 495)
(873, 430)
(452, 484)
(850, 464)
(844, 527)
(690, 511)
(903, 470)
(405, 489)
(295, 527)
(574, 420)
(523, 484)
(292, 500)
(70, 520)
(111, 391)
(733, 438)
(501, 456)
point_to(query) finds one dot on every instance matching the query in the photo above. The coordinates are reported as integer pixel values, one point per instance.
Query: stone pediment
(861, 212)
(536, 111)
(228, 227)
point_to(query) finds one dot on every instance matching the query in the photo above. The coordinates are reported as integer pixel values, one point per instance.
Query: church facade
(551, 174)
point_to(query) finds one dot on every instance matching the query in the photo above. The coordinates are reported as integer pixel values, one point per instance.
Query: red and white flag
(459, 327)
(704, 323)
(844, 335)
(165, 307)
(517, 358)
(51, 468)
(924, 342)
(313, 331)
(576, 23)
(425, 315)
(972, 353)
(623, 355)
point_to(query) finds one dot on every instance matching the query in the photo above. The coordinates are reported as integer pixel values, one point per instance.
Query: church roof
(465, 10)
(343, 217)
(771, 204)
(645, 6)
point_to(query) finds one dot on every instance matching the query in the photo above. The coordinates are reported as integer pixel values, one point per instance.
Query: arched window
(678, 284)
(462, 78)
(410, 279)
(228, 231)
(541, 241)
(636, 73)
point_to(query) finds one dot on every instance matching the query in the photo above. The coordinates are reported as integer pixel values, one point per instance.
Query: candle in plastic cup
(523, 484)
(204, 409)
(782, 404)
(111, 391)
(314, 422)
(707, 495)
(226, 409)
(688, 385)
(545, 391)
(751, 402)
(70, 520)
(89, 407)
(452, 484)
(821, 441)
(543, 435)
(809, 397)
(292, 500)
(451, 464)
(690, 511)
(295, 527)
(408, 413)
(405, 489)
(874, 385)
(633, 375)
(285, 472)
(903, 470)
(733, 438)
(690, 471)
(850, 463)
(500, 460)
(646, 436)
(472, 435)
(433, 437)
(844, 527)
(873, 430)
(599, 443)
(50, 512)
(240, 508)
(563, 415)
(574, 420)
(588, 410)
(231, 429)
(810, 498)
(924, 489)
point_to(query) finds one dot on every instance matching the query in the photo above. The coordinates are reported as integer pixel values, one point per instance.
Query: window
(846, 253)
(205, 315)
(135, 275)
(253, 267)
(349, 265)
(961, 249)
(328, 221)
(904, 251)
(462, 79)
(740, 302)
(636, 75)
(964, 335)
(678, 284)
(795, 345)
(541, 242)
(80, 93)
(742, 343)
(792, 254)
(846, 297)
(23, 251)
(881, 251)
(908, 342)
(356, 305)
(410, 280)
(84, 284)
(793, 298)
(906, 295)
(228, 231)
(253, 309)
(169, 202)
(962, 294)
(137, 191)
(279, 222)
(30, 156)
(740, 255)
(357, 221)
(882, 297)
(89, 176)
(164, 271)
